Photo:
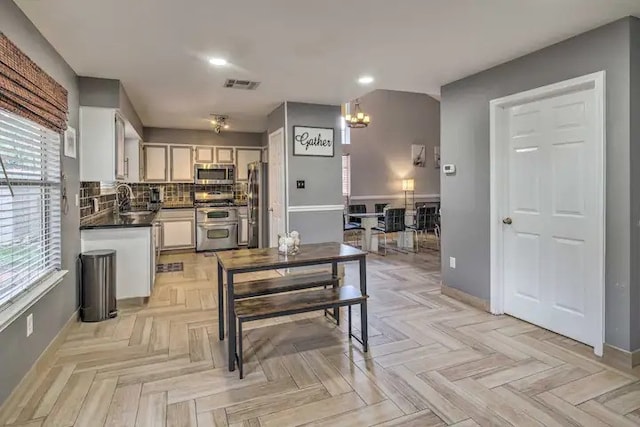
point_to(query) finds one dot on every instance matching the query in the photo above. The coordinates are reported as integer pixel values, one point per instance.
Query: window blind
(30, 232)
(346, 175)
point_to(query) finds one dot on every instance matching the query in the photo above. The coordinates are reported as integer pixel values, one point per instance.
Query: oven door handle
(217, 225)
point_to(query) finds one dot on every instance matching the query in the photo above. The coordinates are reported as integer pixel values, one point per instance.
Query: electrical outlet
(300, 184)
(452, 262)
(29, 324)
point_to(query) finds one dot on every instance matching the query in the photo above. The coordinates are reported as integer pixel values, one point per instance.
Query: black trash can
(98, 292)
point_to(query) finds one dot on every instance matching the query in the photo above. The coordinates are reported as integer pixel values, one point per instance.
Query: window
(30, 218)
(344, 129)
(346, 175)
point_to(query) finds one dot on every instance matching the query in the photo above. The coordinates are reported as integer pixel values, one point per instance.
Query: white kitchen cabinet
(181, 164)
(244, 156)
(178, 228)
(243, 227)
(224, 154)
(178, 233)
(101, 142)
(204, 154)
(155, 163)
(135, 260)
(133, 168)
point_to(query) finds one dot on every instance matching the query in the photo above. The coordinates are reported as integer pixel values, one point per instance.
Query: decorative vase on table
(289, 243)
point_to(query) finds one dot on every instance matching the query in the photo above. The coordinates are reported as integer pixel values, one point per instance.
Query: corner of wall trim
(464, 297)
(29, 299)
(315, 208)
(38, 366)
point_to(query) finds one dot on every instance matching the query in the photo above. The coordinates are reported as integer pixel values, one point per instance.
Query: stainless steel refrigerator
(257, 205)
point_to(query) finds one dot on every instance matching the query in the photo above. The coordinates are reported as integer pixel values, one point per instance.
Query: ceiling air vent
(241, 84)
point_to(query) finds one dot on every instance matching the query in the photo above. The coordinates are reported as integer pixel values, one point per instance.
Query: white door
(276, 186)
(552, 213)
(181, 164)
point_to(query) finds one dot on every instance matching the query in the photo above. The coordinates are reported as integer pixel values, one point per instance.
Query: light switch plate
(452, 262)
(77, 200)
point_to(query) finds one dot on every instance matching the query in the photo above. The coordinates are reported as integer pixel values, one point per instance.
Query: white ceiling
(300, 50)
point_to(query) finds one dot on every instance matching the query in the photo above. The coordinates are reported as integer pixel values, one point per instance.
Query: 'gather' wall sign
(312, 141)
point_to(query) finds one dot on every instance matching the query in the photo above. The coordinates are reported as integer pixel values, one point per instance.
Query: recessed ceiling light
(218, 61)
(365, 80)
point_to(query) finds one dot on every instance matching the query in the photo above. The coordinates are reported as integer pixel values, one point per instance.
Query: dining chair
(349, 228)
(380, 209)
(354, 209)
(393, 223)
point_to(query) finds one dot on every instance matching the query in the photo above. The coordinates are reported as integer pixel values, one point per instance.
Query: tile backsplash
(174, 194)
(90, 191)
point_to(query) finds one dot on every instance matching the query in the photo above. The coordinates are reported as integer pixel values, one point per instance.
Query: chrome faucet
(122, 203)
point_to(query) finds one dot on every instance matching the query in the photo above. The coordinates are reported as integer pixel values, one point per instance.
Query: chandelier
(219, 122)
(358, 119)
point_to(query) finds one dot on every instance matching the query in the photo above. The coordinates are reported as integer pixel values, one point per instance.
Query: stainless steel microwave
(212, 173)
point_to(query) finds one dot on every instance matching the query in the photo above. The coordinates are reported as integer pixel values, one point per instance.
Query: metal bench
(300, 302)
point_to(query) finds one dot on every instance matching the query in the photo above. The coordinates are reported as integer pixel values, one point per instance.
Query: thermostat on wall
(449, 169)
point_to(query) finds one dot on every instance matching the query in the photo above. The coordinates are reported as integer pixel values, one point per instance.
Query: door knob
(507, 221)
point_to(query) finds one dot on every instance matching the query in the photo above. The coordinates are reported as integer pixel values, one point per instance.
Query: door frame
(498, 110)
(284, 198)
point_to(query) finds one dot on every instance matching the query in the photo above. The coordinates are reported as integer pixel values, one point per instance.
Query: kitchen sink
(136, 213)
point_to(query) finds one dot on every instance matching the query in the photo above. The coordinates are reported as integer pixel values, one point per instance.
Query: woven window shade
(26, 90)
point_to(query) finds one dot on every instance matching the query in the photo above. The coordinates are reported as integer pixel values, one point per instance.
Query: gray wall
(465, 143)
(635, 183)
(275, 120)
(96, 92)
(108, 93)
(381, 152)
(202, 137)
(18, 353)
(128, 111)
(322, 175)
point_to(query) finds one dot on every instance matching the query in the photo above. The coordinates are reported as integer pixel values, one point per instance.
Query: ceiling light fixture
(219, 62)
(358, 119)
(219, 122)
(365, 80)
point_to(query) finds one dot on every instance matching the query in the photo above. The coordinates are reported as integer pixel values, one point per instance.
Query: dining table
(233, 262)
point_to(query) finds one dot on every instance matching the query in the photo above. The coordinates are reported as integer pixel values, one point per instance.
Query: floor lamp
(408, 185)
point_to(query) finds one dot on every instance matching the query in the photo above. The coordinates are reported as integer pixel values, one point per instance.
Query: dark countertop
(120, 221)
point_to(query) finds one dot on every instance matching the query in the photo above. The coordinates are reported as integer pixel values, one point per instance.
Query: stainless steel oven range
(216, 222)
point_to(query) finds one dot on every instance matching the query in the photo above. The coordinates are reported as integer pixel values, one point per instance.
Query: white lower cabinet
(178, 228)
(177, 234)
(135, 257)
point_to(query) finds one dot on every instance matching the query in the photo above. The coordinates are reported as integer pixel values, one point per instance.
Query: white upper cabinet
(204, 154)
(164, 162)
(132, 160)
(120, 156)
(101, 144)
(155, 163)
(181, 163)
(244, 156)
(224, 155)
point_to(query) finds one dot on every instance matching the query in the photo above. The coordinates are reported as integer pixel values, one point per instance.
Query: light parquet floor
(433, 361)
